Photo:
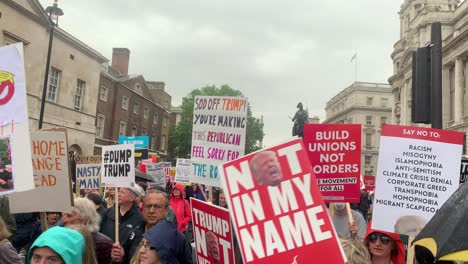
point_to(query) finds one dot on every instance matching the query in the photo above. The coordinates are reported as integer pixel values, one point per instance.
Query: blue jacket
(164, 238)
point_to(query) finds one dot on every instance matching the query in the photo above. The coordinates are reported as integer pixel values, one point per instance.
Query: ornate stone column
(458, 95)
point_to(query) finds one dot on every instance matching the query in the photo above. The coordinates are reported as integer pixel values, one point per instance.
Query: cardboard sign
(218, 135)
(335, 154)
(183, 171)
(369, 183)
(212, 233)
(158, 173)
(52, 192)
(88, 172)
(419, 169)
(118, 167)
(15, 148)
(276, 208)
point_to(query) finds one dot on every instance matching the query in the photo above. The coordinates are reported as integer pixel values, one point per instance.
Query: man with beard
(266, 168)
(212, 246)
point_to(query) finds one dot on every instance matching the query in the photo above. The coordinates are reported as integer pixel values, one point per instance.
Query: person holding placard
(130, 215)
(343, 228)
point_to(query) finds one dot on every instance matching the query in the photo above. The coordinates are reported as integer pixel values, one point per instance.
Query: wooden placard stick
(117, 213)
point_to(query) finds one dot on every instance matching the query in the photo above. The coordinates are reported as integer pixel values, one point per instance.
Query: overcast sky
(278, 53)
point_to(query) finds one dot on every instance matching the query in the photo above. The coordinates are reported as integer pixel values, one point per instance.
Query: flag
(354, 57)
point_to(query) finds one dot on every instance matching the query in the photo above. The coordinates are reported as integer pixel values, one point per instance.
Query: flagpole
(355, 69)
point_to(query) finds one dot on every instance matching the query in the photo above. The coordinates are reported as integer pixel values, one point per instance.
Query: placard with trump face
(276, 208)
(212, 232)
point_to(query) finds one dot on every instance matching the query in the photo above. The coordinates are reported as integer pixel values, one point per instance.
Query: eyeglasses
(383, 238)
(146, 245)
(156, 206)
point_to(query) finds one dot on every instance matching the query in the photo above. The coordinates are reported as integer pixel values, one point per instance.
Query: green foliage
(180, 137)
(4, 151)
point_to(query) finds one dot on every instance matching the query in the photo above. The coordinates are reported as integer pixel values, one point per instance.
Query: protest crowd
(301, 201)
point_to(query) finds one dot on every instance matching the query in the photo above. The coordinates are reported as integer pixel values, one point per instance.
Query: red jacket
(399, 257)
(181, 208)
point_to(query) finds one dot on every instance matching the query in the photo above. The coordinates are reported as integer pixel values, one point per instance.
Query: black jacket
(132, 241)
(132, 219)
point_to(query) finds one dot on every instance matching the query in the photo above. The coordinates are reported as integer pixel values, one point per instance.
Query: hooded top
(67, 243)
(399, 257)
(181, 208)
(163, 237)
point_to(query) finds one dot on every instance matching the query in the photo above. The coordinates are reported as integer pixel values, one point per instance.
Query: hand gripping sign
(276, 208)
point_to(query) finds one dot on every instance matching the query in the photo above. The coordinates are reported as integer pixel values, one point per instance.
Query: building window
(384, 102)
(138, 89)
(164, 121)
(368, 120)
(123, 128)
(368, 141)
(163, 142)
(155, 118)
(134, 130)
(54, 82)
(135, 108)
(125, 102)
(369, 100)
(153, 143)
(367, 160)
(100, 123)
(383, 120)
(146, 113)
(80, 88)
(103, 94)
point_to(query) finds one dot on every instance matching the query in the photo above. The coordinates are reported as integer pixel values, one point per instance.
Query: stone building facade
(129, 105)
(369, 104)
(73, 77)
(416, 17)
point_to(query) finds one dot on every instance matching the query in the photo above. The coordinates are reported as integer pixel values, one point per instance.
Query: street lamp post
(54, 13)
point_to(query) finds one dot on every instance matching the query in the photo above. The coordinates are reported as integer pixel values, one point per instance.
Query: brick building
(128, 105)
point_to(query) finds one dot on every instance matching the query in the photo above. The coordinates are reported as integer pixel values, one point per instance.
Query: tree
(180, 136)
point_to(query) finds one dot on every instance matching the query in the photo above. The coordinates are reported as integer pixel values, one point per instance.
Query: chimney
(120, 59)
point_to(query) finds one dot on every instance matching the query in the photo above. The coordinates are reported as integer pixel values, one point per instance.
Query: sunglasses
(383, 238)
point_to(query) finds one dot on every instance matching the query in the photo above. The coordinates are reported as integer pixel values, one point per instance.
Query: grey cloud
(276, 52)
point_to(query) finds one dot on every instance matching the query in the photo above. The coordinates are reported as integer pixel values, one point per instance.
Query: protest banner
(141, 144)
(157, 171)
(335, 154)
(118, 167)
(172, 174)
(88, 172)
(16, 171)
(183, 171)
(52, 192)
(464, 170)
(212, 233)
(277, 211)
(218, 135)
(369, 183)
(418, 170)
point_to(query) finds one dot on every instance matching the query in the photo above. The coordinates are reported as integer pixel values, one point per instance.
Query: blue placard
(138, 141)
